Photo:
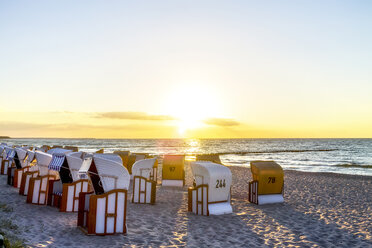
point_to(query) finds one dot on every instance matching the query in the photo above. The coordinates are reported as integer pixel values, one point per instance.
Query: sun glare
(191, 104)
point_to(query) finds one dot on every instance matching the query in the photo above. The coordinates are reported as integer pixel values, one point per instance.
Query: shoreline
(320, 209)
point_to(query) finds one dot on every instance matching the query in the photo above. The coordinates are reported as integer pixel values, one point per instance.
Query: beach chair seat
(103, 211)
(64, 193)
(173, 172)
(144, 187)
(211, 194)
(268, 183)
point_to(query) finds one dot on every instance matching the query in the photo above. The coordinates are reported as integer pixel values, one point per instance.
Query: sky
(175, 69)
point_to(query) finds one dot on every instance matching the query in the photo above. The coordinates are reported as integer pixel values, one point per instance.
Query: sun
(190, 104)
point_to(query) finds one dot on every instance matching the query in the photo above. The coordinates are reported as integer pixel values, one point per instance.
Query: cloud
(222, 122)
(134, 116)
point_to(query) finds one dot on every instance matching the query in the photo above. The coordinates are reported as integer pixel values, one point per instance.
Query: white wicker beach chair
(211, 192)
(7, 160)
(21, 166)
(39, 186)
(103, 211)
(64, 193)
(10, 165)
(32, 171)
(144, 188)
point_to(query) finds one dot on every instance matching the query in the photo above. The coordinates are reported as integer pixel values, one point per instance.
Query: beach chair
(71, 148)
(211, 192)
(2, 156)
(268, 183)
(124, 155)
(103, 211)
(13, 163)
(144, 188)
(7, 160)
(100, 151)
(56, 146)
(134, 157)
(173, 173)
(44, 148)
(215, 158)
(39, 186)
(20, 161)
(64, 193)
(31, 172)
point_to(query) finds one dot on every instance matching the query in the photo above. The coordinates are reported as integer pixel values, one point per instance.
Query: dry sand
(320, 210)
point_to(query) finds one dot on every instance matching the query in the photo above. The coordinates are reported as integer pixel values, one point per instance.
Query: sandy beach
(320, 210)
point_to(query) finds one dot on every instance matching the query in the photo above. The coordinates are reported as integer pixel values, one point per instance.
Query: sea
(345, 156)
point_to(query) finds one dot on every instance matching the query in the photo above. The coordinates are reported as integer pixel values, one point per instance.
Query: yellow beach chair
(173, 173)
(268, 183)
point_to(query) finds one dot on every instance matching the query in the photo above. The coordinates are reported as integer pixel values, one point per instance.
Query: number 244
(220, 183)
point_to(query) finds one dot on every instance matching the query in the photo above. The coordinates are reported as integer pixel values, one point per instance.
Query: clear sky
(169, 69)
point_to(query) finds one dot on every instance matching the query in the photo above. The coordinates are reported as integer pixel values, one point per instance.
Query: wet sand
(320, 210)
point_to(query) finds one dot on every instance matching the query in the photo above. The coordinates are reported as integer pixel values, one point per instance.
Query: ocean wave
(276, 151)
(363, 166)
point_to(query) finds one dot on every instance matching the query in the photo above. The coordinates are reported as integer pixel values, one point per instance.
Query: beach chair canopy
(215, 158)
(58, 150)
(21, 156)
(106, 173)
(109, 156)
(59, 163)
(143, 167)
(75, 161)
(22, 153)
(218, 178)
(270, 177)
(43, 159)
(10, 153)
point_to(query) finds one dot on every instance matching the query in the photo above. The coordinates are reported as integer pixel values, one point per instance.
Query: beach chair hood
(113, 174)
(105, 174)
(43, 159)
(75, 161)
(143, 167)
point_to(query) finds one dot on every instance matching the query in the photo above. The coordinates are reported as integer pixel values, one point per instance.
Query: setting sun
(190, 104)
